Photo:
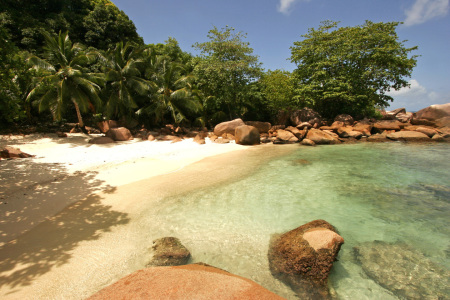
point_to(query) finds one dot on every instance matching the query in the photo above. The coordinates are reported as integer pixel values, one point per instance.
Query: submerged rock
(169, 251)
(404, 271)
(195, 281)
(303, 258)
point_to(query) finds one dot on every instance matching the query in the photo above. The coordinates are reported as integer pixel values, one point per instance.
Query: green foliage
(13, 76)
(96, 23)
(225, 69)
(172, 91)
(350, 69)
(124, 80)
(66, 81)
(278, 90)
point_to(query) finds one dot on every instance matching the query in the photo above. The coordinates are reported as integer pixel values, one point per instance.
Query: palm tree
(172, 91)
(124, 81)
(66, 81)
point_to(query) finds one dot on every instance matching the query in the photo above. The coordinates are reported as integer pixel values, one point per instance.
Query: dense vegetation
(84, 61)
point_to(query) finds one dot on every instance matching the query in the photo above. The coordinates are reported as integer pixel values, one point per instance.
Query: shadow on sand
(78, 215)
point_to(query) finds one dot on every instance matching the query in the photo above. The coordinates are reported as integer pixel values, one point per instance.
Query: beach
(35, 189)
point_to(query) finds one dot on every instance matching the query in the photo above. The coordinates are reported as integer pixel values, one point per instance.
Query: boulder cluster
(303, 126)
(308, 128)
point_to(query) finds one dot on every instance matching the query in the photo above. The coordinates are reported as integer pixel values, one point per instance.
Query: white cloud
(416, 97)
(285, 6)
(424, 10)
(414, 90)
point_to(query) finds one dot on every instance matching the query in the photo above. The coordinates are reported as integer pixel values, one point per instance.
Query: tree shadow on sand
(79, 216)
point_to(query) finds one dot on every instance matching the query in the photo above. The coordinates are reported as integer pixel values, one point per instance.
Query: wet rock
(308, 142)
(119, 134)
(247, 135)
(227, 127)
(303, 258)
(320, 137)
(403, 270)
(169, 251)
(195, 281)
(379, 137)
(434, 112)
(101, 140)
(408, 136)
(263, 127)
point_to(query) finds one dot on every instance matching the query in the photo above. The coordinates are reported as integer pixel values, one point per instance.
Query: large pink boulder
(195, 281)
(320, 137)
(303, 258)
(228, 127)
(247, 135)
(434, 112)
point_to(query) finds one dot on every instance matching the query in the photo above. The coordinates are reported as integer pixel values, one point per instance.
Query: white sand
(35, 189)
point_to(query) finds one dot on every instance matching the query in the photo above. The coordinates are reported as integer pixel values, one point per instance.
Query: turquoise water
(392, 192)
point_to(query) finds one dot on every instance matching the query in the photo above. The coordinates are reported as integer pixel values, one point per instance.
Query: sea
(381, 197)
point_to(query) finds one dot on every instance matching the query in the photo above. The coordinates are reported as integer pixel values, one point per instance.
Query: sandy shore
(35, 189)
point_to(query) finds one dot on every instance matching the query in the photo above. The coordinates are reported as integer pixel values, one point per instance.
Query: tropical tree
(225, 69)
(124, 80)
(350, 69)
(171, 94)
(66, 82)
(278, 90)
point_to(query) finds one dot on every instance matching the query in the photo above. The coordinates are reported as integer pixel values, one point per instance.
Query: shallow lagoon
(391, 192)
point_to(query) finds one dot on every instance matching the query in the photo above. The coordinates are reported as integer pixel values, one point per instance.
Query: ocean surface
(395, 193)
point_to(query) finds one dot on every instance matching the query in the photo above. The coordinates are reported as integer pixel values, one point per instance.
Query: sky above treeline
(272, 26)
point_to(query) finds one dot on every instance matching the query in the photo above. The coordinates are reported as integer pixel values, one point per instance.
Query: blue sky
(272, 26)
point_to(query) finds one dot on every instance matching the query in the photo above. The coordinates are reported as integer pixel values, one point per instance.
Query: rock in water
(169, 251)
(404, 271)
(196, 281)
(303, 258)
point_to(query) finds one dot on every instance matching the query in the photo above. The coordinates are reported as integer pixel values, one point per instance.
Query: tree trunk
(80, 119)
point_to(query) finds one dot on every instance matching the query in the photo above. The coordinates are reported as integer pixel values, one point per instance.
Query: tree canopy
(350, 69)
(225, 69)
(95, 23)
